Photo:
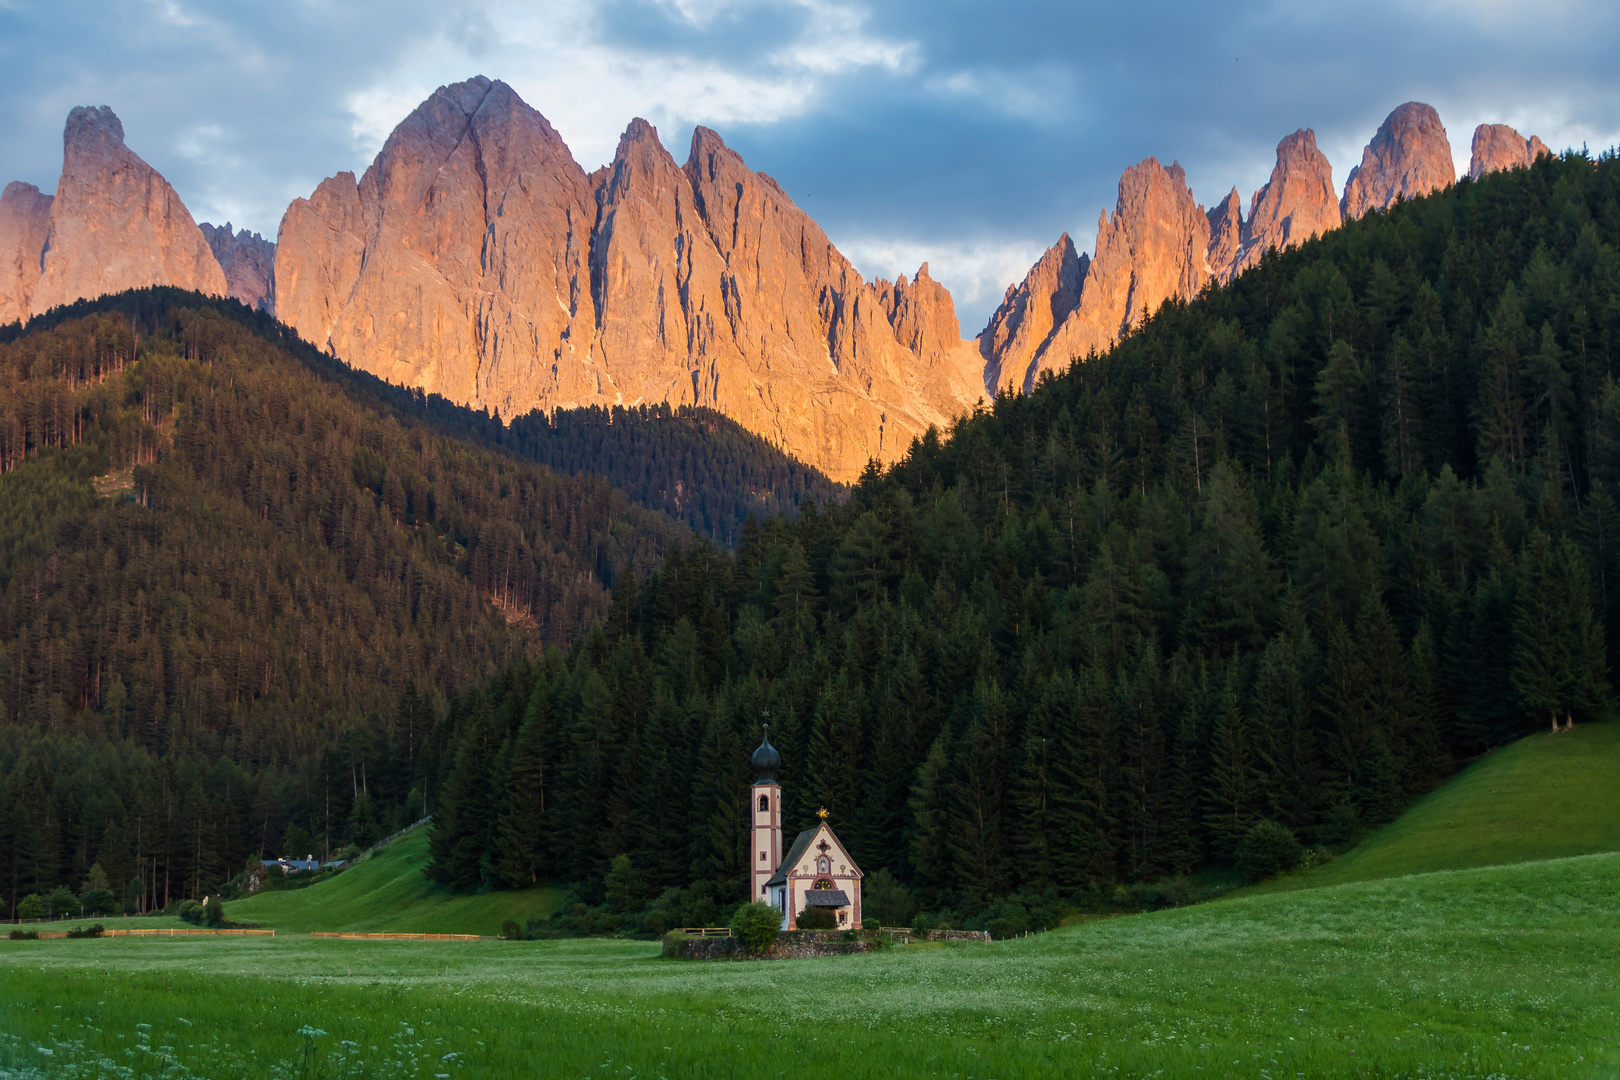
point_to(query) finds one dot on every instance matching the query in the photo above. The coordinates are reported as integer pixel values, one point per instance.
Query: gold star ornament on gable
(822, 813)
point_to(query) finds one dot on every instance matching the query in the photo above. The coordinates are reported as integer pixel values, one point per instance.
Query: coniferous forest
(1290, 553)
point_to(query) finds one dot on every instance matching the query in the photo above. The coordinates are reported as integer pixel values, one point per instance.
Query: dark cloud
(965, 133)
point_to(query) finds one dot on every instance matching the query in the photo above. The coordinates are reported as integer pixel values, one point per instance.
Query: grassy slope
(1543, 797)
(389, 892)
(1502, 971)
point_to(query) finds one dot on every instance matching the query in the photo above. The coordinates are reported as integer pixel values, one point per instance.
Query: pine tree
(977, 792)
(1231, 793)
(1143, 784)
(522, 827)
(1559, 656)
(930, 852)
(1083, 726)
(1428, 761)
(1233, 584)
(1285, 736)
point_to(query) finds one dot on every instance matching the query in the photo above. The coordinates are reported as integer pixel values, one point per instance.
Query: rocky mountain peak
(89, 124)
(1297, 203)
(1409, 156)
(1226, 236)
(115, 223)
(1497, 146)
(248, 261)
(1030, 311)
(476, 259)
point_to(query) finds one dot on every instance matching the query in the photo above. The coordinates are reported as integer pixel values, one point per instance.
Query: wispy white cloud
(556, 57)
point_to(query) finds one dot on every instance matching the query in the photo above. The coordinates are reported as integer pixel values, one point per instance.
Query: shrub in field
(511, 931)
(61, 901)
(214, 910)
(816, 918)
(924, 922)
(25, 935)
(755, 925)
(190, 911)
(87, 931)
(1268, 849)
(31, 906)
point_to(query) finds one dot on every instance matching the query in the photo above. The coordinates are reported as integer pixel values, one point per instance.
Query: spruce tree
(1231, 792)
(522, 828)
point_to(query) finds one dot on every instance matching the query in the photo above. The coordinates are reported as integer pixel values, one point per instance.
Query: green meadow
(1543, 797)
(389, 892)
(1486, 971)
(1496, 972)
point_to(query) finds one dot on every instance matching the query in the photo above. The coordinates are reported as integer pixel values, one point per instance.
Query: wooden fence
(163, 932)
(45, 935)
(394, 937)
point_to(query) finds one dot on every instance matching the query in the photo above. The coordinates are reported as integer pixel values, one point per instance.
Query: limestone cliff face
(1497, 146)
(1020, 328)
(1154, 248)
(1297, 203)
(1409, 156)
(318, 253)
(115, 223)
(248, 261)
(1227, 234)
(475, 259)
(923, 316)
(25, 218)
(458, 263)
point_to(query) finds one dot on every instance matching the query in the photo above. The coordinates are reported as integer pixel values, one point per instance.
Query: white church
(815, 872)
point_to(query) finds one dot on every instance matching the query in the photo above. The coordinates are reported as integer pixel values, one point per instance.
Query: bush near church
(815, 918)
(755, 925)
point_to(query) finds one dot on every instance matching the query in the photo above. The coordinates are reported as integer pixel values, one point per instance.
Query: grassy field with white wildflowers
(1497, 972)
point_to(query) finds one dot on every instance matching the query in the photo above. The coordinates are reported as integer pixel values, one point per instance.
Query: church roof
(826, 898)
(801, 843)
(792, 856)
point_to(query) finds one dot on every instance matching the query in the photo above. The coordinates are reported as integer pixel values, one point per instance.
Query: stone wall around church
(789, 945)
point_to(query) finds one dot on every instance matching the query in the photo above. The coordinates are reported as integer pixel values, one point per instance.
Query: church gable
(824, 855)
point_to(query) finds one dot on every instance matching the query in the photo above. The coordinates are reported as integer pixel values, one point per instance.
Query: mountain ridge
(477, 259)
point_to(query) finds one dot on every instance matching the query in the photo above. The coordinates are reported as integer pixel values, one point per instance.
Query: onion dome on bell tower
(765, 760)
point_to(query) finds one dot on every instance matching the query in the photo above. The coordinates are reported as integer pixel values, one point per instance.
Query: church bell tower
(765, 802)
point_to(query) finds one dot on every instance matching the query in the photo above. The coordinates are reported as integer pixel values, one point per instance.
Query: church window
(823, 865)
(764, 803)
(762, 856)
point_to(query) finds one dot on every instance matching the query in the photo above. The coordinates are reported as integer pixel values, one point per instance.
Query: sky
(967, 135)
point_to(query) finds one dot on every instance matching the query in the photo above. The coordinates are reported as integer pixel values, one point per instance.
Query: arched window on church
(764, 803)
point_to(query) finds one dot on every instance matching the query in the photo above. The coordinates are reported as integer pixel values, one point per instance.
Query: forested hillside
(694, 464)
(219, 562)
(1291, 552)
